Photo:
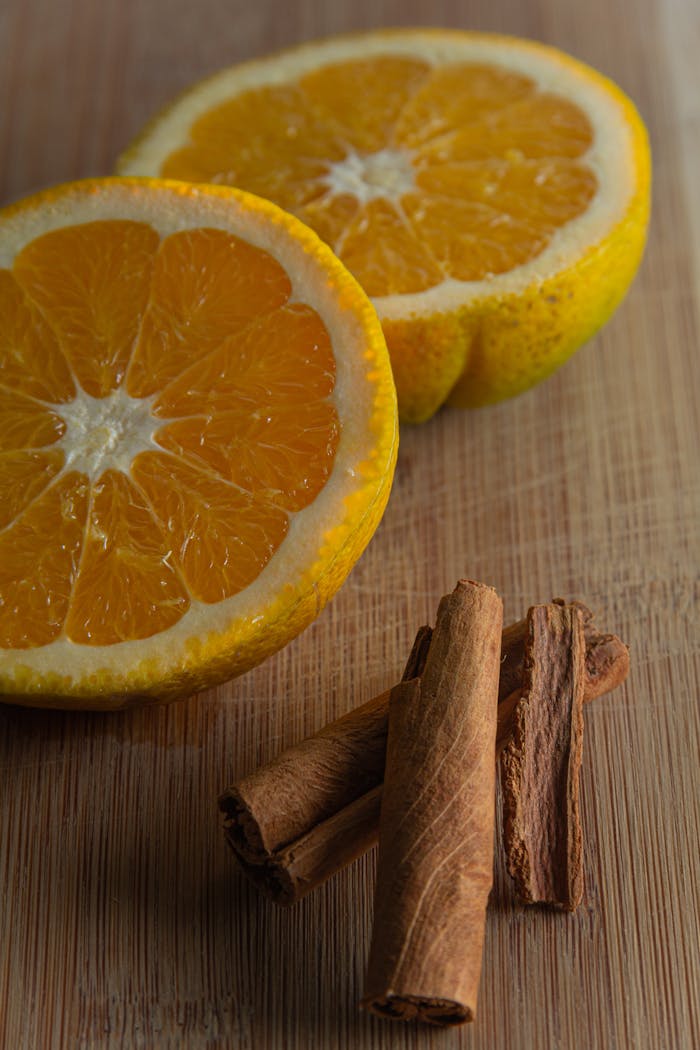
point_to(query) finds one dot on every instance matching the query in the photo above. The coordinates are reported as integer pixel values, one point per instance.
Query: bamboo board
(122, 921)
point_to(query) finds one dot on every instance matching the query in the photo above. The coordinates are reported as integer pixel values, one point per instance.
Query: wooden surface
(122, 920)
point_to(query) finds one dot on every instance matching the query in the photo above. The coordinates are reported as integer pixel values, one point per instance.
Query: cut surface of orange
(490, 194)
(197, 437)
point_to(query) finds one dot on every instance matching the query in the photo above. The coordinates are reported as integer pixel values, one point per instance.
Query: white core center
(105, 433)
(386, 173)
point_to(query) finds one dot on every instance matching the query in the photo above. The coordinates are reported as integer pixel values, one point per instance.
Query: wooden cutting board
(122, 921)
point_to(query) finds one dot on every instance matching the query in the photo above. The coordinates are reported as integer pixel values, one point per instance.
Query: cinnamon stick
(292, 871)
(314, 780)
(540, 765)
(437, 820)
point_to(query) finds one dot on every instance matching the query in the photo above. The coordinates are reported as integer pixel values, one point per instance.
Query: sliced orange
(490, 194)
(197, 437)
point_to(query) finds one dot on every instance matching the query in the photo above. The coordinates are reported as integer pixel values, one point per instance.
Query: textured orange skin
(496, 348)
(518, 340)
(501, 345)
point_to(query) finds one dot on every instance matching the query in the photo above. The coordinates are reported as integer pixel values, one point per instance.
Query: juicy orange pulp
(157, 436)
(412, 174)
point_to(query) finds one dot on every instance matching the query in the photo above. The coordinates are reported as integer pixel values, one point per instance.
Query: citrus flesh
(198, 437)
(490, 194)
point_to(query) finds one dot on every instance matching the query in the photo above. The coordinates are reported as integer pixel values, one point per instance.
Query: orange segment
(383, 86)
(384, 253)
(283, 358)
(91, 282)
(39, 555)
(547, 126)
(273, 122)
(26, 423)
(283, 454)
(30, 359)
(128, 586)
(206, 284)
(330, 216)
(495, 242)
(456, 95)
(23, 477)
(547, 193)
(221, 538)
(540, 126)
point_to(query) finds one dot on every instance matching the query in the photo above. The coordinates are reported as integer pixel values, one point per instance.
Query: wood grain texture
(122, 921)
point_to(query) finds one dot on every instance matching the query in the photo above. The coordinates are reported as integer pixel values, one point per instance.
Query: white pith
(317, 280)
(105, 433)
(387, 173)
(610, 158)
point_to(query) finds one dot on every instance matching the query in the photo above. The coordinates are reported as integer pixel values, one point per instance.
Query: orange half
(490, 194)
(197, 437)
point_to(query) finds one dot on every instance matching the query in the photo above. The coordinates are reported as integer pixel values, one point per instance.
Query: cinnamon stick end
(418, 654)
(241, 829)
(574, 603)
(269, 878)
(607, 664)
(444, 1013)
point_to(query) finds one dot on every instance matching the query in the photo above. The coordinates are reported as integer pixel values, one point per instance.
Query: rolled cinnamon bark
(314, 780)
(307, 783)
(541, 763)
(437, 820)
